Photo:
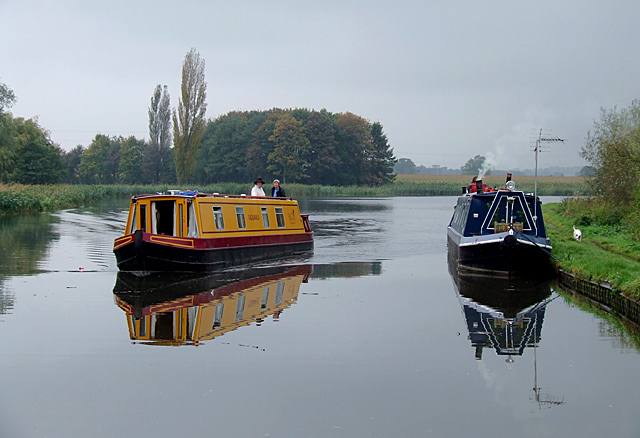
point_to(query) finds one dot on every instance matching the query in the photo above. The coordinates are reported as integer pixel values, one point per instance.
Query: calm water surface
(372, 335)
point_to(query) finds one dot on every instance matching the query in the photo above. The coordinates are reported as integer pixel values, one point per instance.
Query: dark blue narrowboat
(499, 232)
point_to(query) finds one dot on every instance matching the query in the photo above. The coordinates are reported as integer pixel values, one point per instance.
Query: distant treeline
(293, 145)
(406, 166)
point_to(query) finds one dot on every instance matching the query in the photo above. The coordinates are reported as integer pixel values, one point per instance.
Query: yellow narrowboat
(193, 232)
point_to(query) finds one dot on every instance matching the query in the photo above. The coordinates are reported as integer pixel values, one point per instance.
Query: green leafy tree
(290, 156)
(380, 157)
(324, 161)
(613, 149)
(587, 172)
(7, 146)
(156, 154)
(260, 146)
(405, 166)
(100, 162)
(7, 140)
(354, 142)
(72, 160)
(224, 147)
(7, 97)
(130, 163)
(189, 119)
(37, 159)
(475, 166)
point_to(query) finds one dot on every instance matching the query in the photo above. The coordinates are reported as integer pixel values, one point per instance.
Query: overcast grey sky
(446, 79)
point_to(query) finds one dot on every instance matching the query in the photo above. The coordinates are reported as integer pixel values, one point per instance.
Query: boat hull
(148, 252)
(500, 254)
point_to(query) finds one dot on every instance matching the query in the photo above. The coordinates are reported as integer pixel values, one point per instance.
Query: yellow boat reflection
(178, 310)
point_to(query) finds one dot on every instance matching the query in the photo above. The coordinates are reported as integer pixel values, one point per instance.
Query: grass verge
(606, 253)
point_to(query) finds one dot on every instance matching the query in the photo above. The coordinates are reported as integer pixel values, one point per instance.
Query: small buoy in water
(80, 268)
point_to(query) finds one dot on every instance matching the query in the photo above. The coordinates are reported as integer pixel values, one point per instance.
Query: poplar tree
(189, 119)
(157, 153)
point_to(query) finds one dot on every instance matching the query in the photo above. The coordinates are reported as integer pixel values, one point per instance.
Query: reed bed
(16, 198)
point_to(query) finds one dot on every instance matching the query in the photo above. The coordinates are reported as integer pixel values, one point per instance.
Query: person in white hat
(257, 188)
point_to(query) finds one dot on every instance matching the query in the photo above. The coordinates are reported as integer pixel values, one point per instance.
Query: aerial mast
(540, 142)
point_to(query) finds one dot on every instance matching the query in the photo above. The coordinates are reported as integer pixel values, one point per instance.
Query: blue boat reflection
(505, 314)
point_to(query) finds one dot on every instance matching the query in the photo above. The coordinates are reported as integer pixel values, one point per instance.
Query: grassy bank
(606, 252)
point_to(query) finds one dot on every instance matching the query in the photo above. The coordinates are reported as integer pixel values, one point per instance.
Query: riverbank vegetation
(18, 198)
(606, 253)
(609, 218)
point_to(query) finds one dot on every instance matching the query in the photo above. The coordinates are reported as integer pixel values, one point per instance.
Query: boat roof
(195, 194)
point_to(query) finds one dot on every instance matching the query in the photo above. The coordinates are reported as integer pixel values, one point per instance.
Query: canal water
(373, 335)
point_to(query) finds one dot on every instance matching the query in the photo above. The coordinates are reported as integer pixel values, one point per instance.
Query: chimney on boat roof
(508, 177)
(479, 187)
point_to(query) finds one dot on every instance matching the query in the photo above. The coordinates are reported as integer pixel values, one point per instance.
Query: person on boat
(277, 191)
(257, 189)
(471, 188)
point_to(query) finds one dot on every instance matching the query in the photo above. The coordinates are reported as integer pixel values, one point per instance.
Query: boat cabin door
(163, 217)
(174, 217)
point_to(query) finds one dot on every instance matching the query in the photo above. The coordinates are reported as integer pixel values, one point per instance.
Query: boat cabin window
(192, 223)
(240, 307)
(242, 224)
(265, 217)
(510, 212)
(134, 217)
(265, 297)
(217, 317)
(279, 293)
(217, 218)
(460, 215)
(138, 326)
(143, 218)
(279, 217)
(163, 218)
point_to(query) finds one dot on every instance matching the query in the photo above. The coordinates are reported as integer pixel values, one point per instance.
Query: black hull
(146, 256)
(497, 258)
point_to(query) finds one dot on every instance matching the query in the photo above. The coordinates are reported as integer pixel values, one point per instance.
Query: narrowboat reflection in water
(187, 309)
(505, 314)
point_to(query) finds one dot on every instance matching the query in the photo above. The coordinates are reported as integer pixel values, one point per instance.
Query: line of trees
(294, 145)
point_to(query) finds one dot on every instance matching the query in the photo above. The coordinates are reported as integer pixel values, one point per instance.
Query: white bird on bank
(577, 234)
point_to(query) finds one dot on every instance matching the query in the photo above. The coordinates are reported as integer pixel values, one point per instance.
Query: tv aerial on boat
(541, 142)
